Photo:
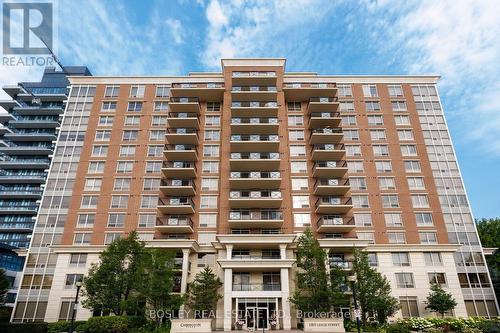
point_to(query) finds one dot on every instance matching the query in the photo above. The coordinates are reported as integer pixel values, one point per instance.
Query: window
(124, 166)
(208, 201)
(293, 107)
(400, 259)
(99, 151)
(355, 166)
(402, 120)
(412, 166)
(372, 259)
(395, 90)
(121, 184)
(344, 90)
(369, 236)
(396, 237)
(360, 201)
(353, 150)
(85, 221)
(96, 167)
(409, 150)
(78, 259)
(433, 259)
(297, 151)
(72, 279)
(301, 219)
(210, 151)
(130, 135)
(346, 106)
(112, 91)
(159, 121)
(162, 91)
(111, 237)
(132, 120)
(351, 134)
(151, 184)
(409, 307)
(349, 120)
(299, 184)
(357, 183)
(298, 166)
(363, 220)
(212, 135)
(295, 121)
(390, 201)
(405, 135)
(296, 135)
(126, 151)
(119, 201)
(155, 151)
(147, 220)
(156, 135)
(212, 120)
(378, 134)
(93, 184)
(300, 201)
(161, 107)
(82, 238)
(149, 201)
(153, 166)
(106, 120)
(380, 150)
(137, 91)
(213, 107)
(108, 107)
(102, 135)
(416, 183)
(89, 201)
(383, 166)
(419, 201)
(210, 167)
(209, 184)
(375, 120)
(399, 106)
(208, 220)
(437, 278)
(116, 220)
(428, 237)
(134, 106)
(393, 219)
(372, 106)
(405, 280)
(370, 90)
(386, 183)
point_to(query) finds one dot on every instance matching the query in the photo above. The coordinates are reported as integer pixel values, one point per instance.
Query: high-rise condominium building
(227, 169)
(30, 121)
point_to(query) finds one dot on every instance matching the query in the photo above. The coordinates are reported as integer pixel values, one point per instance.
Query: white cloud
(176, 30)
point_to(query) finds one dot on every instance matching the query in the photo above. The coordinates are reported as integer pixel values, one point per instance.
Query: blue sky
(457, 39)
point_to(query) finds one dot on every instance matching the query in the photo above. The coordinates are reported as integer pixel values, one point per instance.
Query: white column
(184, 277)
(283, 251)
(228, 301)
(285, 294)
(229, 251)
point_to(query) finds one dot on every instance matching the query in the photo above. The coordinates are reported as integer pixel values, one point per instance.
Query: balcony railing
(255, 195)
(257, 287)
(174, 221)
(180, 130)
(254, 257)
(180, 147)
(252, 120)
(254, 104)
(184, 100)
(197, 85)
(343, 264)
(332, 220)
(331, 182)
(255, 156)
(325, 114)
(182, 201)
(254, 138)
(336, 201)
(255, 175)
(323, 100)
(257, 215)
(326, 130)
(308, 85)
(330, 164)
(177, 182)
(256, 74)
(329, 147)
(253, 88)
(182, 115)
(178, 165)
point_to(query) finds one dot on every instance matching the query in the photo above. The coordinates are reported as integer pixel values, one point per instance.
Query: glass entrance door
(262, 318)
(257, 318)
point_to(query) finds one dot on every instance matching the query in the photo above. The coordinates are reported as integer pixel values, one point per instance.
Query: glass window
(72, 279)
(119, 201)
(370, 90)
(300, 201)
(399, 106)
(301, 219)
(412, 166)
(162, 91)
(405, 135)
(346, 107)
(208, 220)
(147, 220)
(208, 201)
(212, 135)
(383, 166)
(93, 184)
(390, 201)
(386, 183)
(377, 134)
(296, 135)
(112, 91)
(85, 220)
(127, 151)
(428, 237)
(416, 183)
(298, 166)
(355, 166)
(357, 183)
(300, 184)
(405, 280)
(297, 150)
(396, 237)
(409, 306)
(295, 120)
(210, 167)
(124, 166)
(130, 135)
(372, 106)
(116, 220)
(211, 151)
(153, 166)
(393, 219)
(99, 151)
(433, 259)
(351, 134)
(89, 201)
(360, 201)
(353, 150)
(424, 219)
(395, 90)
(363, 220)
(137, 91)
(134, 106)
(96, 167)
(108, 107)
(122, 184)
(209, 184)
(437, 278)
(419, 201)
(151, 184)
(344, 90)
(149, 201)
(400, 259)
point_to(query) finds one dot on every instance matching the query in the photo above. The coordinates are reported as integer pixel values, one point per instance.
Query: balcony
(254, 93)
(334, 224)
(254, 179)
(324, 119)
(20, 121)
(255, 199)
(254, 161)
(255, 218)
(322, 104)
(183, 120)
(6, 208)
(329, 169)
(178, 187)
(333, 205)
(179, 170)
(299, 92)
(332, 186)
(20, 192)
(339, 263)
(181, 205)
(206, 92)
(31, 163)
(255, 143)
(322, 152)
(326, 135)
(174, 224)
(180, 152)
(187, 136)
(257, 287)
(247, 125)
(13, 149)
(254, 109)
(184, 104)
(255, 78)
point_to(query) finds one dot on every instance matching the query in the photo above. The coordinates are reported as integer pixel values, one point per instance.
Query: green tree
(113, 283)
(489, 233)
(4, 286)
(158, 282)
(204, 293)
(373, 290)
(439, 300)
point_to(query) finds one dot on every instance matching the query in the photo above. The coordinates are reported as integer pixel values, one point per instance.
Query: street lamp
(352, 279)
(75, 306)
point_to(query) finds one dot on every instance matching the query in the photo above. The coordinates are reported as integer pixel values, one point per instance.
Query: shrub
(63, 326)
(398, 328)
(417, 324)
(489, 326)
(23, 328)
(110, 324)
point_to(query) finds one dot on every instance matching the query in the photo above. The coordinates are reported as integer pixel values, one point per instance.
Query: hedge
(23, 327)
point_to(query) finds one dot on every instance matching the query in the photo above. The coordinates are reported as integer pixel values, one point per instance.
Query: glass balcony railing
(197, 85)
(250, 120)
(255, 156)
(257, 215)
(334, 220)
(184, 100)
(257, 287)
(255, 175)
(254, 138)
(308, 85)
(253, 88)
(180, 201)
(174, 221)
(254, 104)
(255, 195)
(325, 114)
(335, 201)
(254, 74)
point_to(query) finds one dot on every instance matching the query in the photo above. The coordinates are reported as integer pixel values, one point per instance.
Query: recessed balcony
(324, 119)
(322, 104)
(34, 121)
(179, 187)
(254, 78)
(176, 205)
(254, 179)
(247, 125)
(245, 218)
(179, 170)
(252, 287)
(183, 120)
(254, 109)
(255, 199)
(324, 152)
(299, 92)
(254, 161)
(342, 264)
(182, 136)
(184, 104)
(326, 135)
(206, 92)
(335, 224)
(14, 149)
(329, 169)
(333, 205)
(254, 93)
(255, 143)
(174, 224)
(334, 186)
(180, 152)
(31, 163)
